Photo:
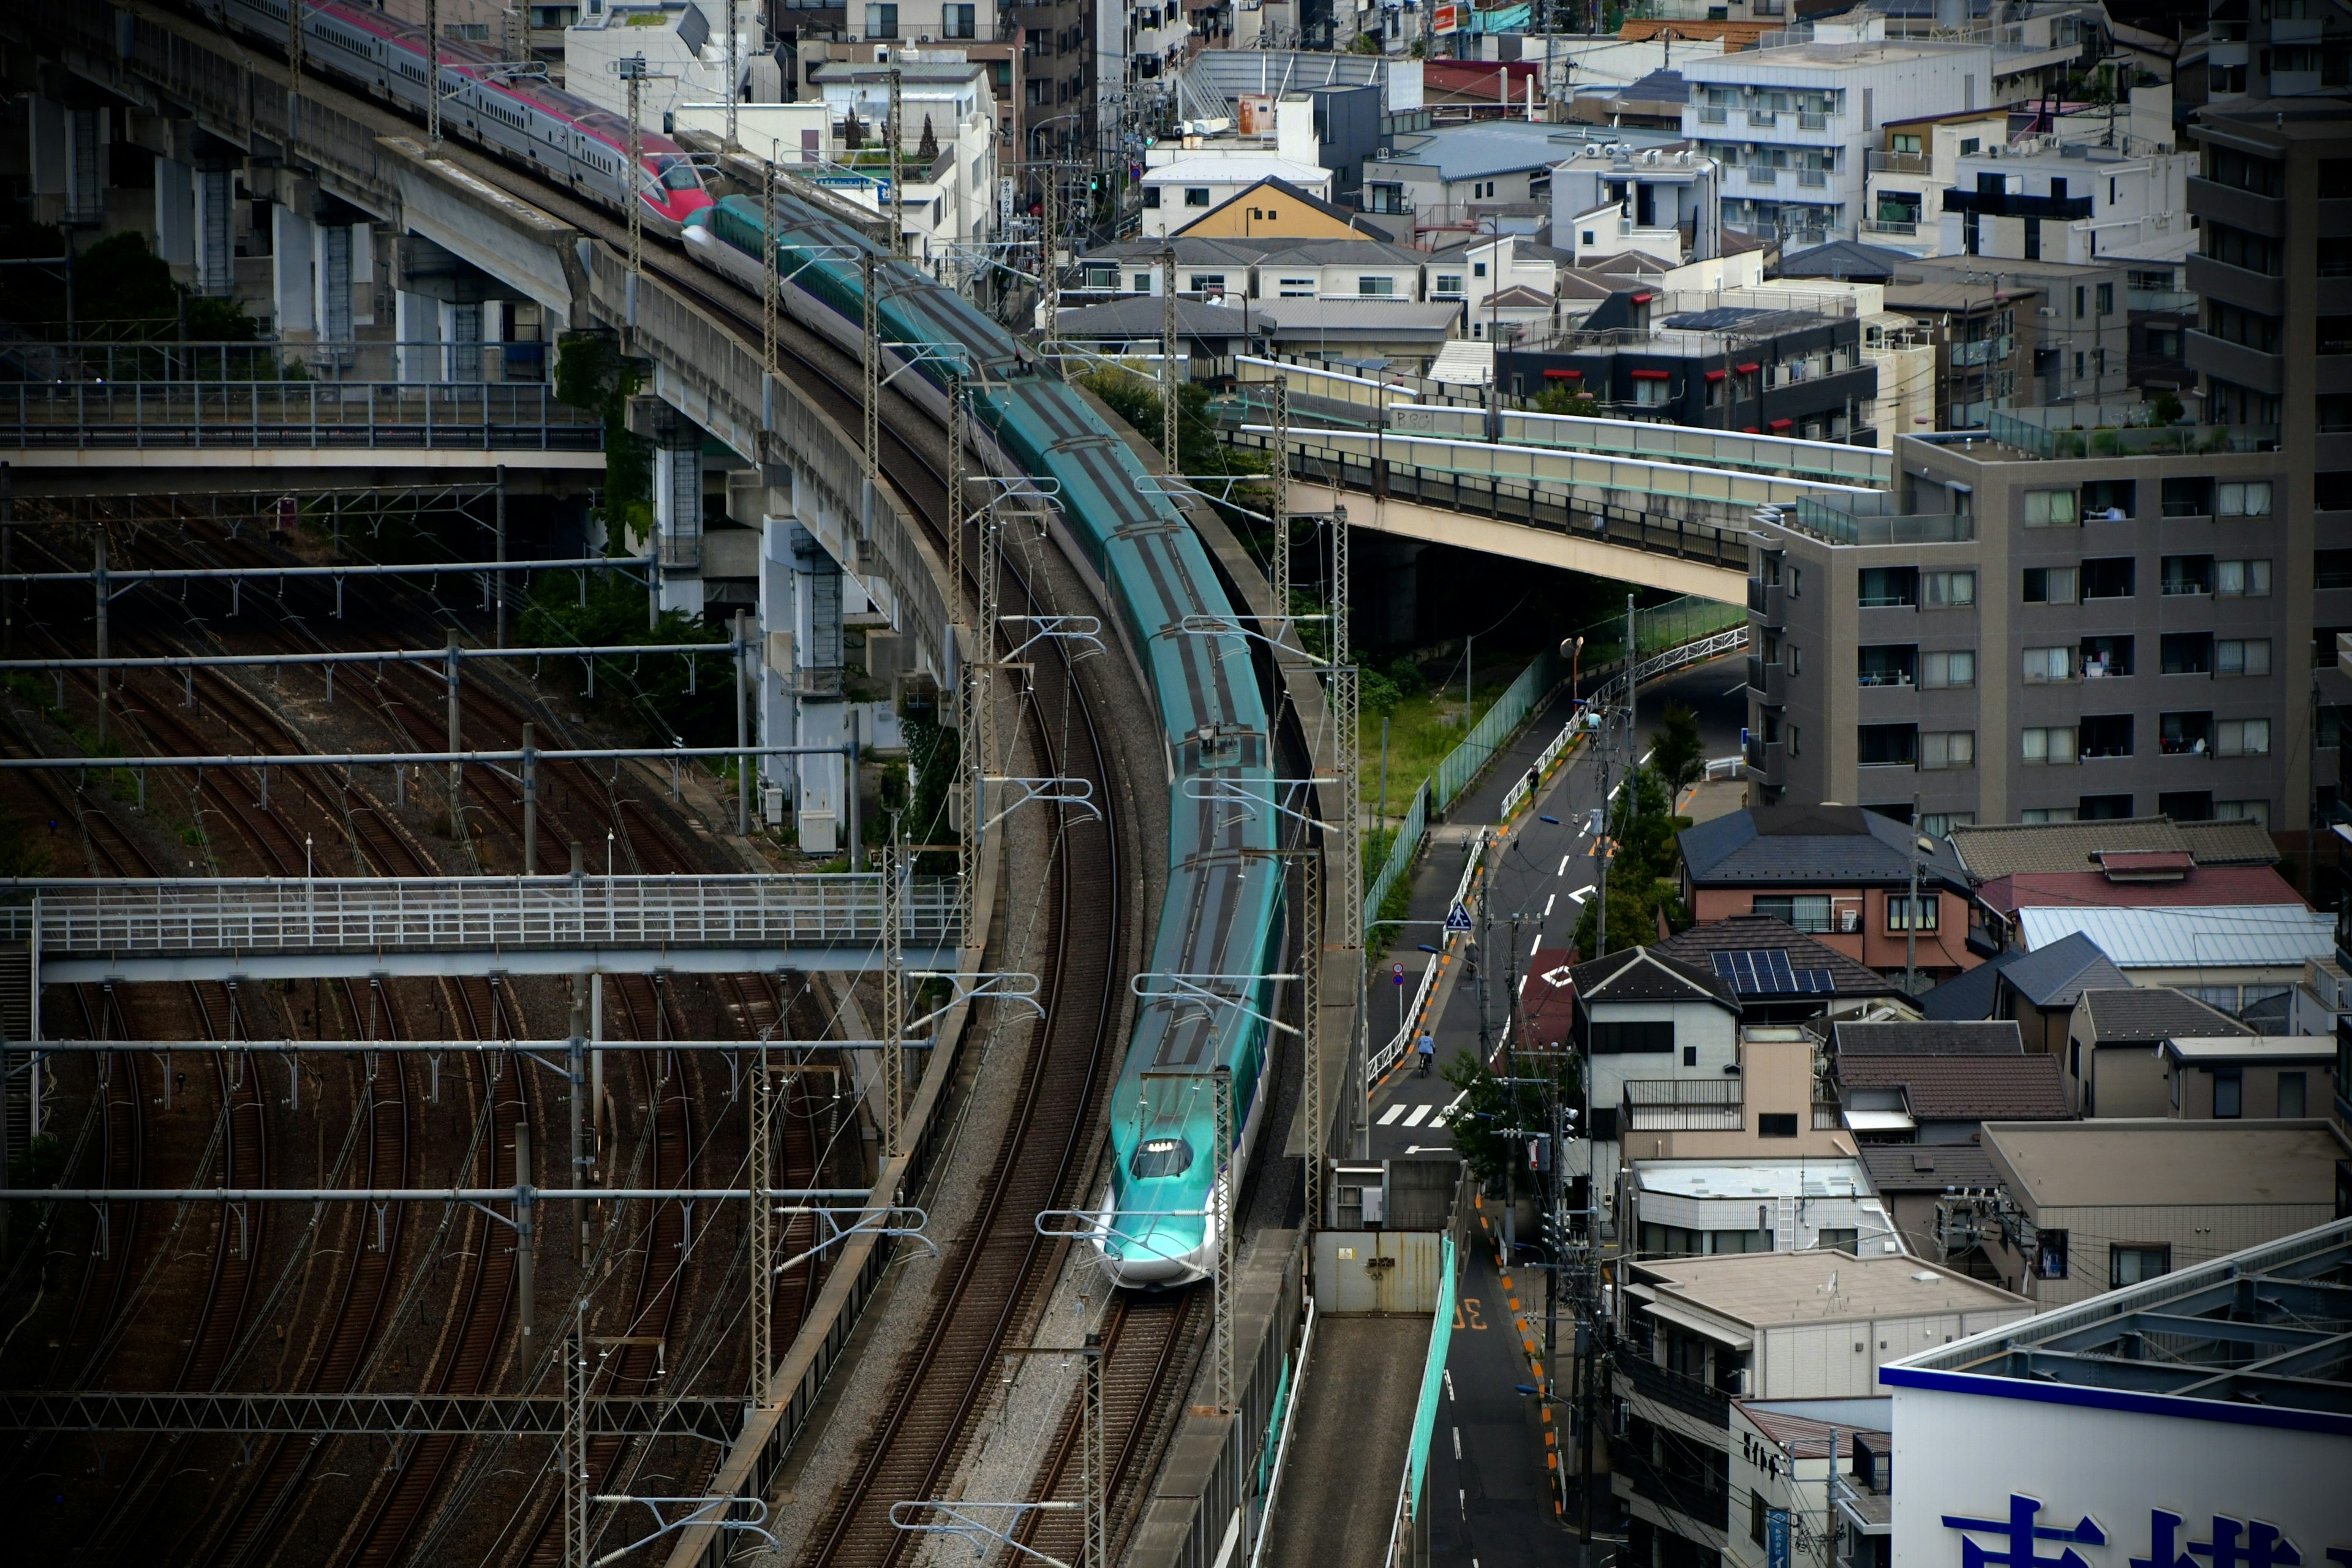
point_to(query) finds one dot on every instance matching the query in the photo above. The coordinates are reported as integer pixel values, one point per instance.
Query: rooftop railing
(2038, 440)
(1857, 521)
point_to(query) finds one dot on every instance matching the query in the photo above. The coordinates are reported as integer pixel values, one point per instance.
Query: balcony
(1762, 755)
(1983, 351)
(2235, 361)
(2023, 432)
(1829, 1118)
(2016, 203)
(1897, 228)
(2137, 299)
(1763, 120)
(1687, 1496)
(1812, 179)
(1859, 520)
(2238, 286)
(1673, 1390)
(2219, 203)
(1685, 1105)
(1900, 163)
(1713, 114)
(1813, 121)
(1761, 178)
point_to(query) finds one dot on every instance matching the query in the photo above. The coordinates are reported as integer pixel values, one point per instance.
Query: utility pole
(894, 989)
(456, 770)
(294, 40)
(433, 97)
(1911, 910)
(633, 72)
(1169, 342)
(734, 75)
(498, 625)
(870, 434)
(898, 134)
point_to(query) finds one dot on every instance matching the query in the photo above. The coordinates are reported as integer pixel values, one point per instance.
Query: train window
(677, 174)
(1160, 1157)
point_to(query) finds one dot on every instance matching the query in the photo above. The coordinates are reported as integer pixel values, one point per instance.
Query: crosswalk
(1404, 1113)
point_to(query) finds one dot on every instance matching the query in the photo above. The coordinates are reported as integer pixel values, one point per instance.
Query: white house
(1197, 182)
(1643, 1017)
(2041, 200)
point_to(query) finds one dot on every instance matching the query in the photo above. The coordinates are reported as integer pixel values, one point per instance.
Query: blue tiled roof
(2056, 975)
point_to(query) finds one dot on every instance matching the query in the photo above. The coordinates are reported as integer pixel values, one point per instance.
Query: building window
(2105, 735)
(2290, 1096)
(1375, 288)
(1940, 824)
(2130, 1265)
(1948, 749)
(2051, 509)
(1838, 1238)
(2241, 656)
(1143, 283)
(2251, 578)
(1150, 192)
(2043, 665)
(2243, 738)
(1946, 590)
(1888, 745)
(2050, 585)
(1808, 912)
(1196, 196)
(2107, 298)
(1904, 913)
(1957, 667)
(1776, 1124)
(2050, 1254)
(1448, 285)
(1651, 394)
(881, 21)
(2250, 498)
(1296, 287)
(1207, 284)
(959, 21)
(1640, 1038)
(2055, 744)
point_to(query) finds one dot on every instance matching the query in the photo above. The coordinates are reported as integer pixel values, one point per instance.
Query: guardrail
(1388, 1056)
(422, 360)
(394, 914)
(462, 415)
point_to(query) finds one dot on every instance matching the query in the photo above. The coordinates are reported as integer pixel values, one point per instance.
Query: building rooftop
(1226, 168)
(1645, 974)
(1820, 971)
(1805, 1437)
(1487, 147)
(1768, 1288)
(1929, 1037)
(1751, 65)
(1970, 994)
(2201, 885)
(1402, 319)
(2003, 849)
(1964, 1088)
(2056, 976)
(2155, 1163)
(2146, 1014)
(1807, 845)
(1846, 260)
(1926, 1167)
(1752, 1178)
(2269, 1344)
(2239, 1050)
(1131, 320)
(2213, 936)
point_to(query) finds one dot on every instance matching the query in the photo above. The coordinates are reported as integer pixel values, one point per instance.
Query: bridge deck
(268, 928)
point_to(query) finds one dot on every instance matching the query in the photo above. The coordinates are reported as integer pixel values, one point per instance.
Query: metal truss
(979, 985)
(897, 1219)
(1240, 792)
(1084, 629)
(710, 1420)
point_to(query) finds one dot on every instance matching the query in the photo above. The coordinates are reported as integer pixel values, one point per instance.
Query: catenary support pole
(456, 770)
(530, 772)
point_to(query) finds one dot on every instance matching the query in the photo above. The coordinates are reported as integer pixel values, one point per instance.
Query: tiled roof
(1648, 974)
(1736, 933)
(1965, 1089)
(2093, 889)
(1972, 994)
(1804, 846)
(2003, 849)
(2056, 975)
(2144, 1014)
(1807, 1438)
(1843, 258)
(2000, 1037)
(1926, 1167)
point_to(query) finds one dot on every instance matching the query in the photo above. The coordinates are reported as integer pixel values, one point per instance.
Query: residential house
(1913, 1180)
(1991, 850)
(1193, 184)
(2037, 991)
(2113, 1041)
(1985, 336)
(2107, 1204)
(1398, 335)
(2238, 957)
(1501, 280)
(1768, 1102)
(1647, 1019)
(2126, 880)
(1351, 268)
(1912, 167)
(1928, 1095)
(1700, 1331)
(1275, 210)
(1779, 975)
(2226, 1077)
(1840, 874)
(1608, 200)
(1212, 335)
(1497, 173)
(1688, 1208)
(2038, 199)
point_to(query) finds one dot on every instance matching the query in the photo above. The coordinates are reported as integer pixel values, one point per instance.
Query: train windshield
(676, 174)
(1160, 1157)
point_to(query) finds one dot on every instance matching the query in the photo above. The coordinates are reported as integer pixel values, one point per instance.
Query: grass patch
(1424, 729)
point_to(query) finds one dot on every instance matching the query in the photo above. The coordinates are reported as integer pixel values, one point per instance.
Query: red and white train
(541, 127)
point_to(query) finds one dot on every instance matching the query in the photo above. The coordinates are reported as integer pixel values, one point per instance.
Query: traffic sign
(1457, 919)
(1397, 974)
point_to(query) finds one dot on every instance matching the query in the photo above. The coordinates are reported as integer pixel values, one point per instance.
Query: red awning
(1644, 298)
(1563, 375)
(1715, 376)
(1653, 375)
(1782, 423)
(1750, 430)
(1749, 369)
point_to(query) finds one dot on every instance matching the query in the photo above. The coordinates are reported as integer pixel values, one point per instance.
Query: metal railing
(1984, 351)
(2127, 441)
(1761, 176)
(1676, 1105)
(1880, 163)
(1713, 114)
(1898, 228)
(275, 360)
(1812, 179)
(1763, 118)
(389, 914)
(1851, 524)
(464, 415)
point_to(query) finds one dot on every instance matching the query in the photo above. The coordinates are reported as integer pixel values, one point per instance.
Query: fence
(464, 415)
(1408, 1536)
(423, 359)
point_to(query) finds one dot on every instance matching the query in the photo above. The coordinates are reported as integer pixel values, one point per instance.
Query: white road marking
(1457, 1431)
(1645, 758)
(1579, 893)
(1538, 943)
(1612, 794)
(1451, 1106)
(1419, 1112)
(1391, 1114)
(1547, 914)
(1563, 863)
(1449, 1385)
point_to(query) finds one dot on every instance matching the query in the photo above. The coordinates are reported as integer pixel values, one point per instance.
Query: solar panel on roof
(1767, 971)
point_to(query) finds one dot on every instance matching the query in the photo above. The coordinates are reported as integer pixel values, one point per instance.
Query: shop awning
(1653, 375)
(1779, 424)
(1563, 375)
(1715, 376)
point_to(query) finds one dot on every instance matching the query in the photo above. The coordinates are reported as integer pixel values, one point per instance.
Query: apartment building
(2128, 598)
(1916, 161)
(1794, 125)
(2041, 199)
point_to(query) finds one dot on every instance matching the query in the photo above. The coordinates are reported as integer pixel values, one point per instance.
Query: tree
(1489, 1107)
(1642, 883)
(1677, 753)
(926, 152)
(853, 134)
(1566, 400)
